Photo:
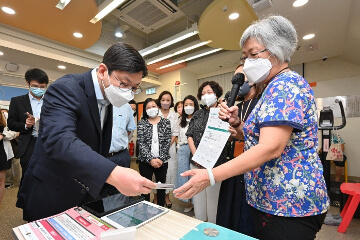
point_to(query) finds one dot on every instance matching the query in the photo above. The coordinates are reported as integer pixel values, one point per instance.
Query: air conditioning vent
(148, 15)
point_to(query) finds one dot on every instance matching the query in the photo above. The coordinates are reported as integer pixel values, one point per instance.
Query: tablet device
(135, 215)
(107, 205)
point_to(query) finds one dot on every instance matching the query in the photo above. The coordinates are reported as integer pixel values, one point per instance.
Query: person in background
(133, 107)
(13, 175)
(232, 191)
(123, 125)
(191, 105)
(4, 163)
(205, 202)
(284, 177)
(166, 101)
(69, 166)
(134, 110)
(154, 136)
(179, 108)
(24, 111)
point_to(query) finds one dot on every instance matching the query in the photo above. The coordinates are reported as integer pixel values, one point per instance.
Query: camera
(324, 58)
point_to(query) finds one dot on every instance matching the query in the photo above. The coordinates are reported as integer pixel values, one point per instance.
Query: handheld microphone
(227, 95)
(237, 81)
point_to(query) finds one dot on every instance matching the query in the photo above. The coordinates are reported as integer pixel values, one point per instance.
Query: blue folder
(197, 233)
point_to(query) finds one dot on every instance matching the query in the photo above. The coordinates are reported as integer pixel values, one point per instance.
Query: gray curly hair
(276, 33)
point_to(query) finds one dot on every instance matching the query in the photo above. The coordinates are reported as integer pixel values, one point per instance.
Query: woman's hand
(198, 182)
(231, 113)
(156, 163)
(237, 133)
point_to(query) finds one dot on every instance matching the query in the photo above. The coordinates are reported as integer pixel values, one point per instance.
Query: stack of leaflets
(78, 224)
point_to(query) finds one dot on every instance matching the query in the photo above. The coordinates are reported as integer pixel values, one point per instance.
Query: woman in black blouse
(154, 136)
(205, 202)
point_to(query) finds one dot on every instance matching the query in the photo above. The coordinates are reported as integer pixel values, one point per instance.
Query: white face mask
(189, 110)
(208, 99)
(152, 112)
(257, 70)
(116, 96)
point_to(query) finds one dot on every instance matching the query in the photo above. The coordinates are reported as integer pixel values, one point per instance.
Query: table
(170, 226)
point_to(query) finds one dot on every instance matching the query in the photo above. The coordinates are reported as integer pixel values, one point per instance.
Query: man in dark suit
(23, 112)
(69, 165)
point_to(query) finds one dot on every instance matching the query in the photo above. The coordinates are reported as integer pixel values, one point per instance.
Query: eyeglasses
(126, 87)
(253, 56)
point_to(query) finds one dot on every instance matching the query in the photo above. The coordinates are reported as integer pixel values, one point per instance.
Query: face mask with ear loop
(208, 99)
(116, 96)
(257, 70)
(244, 90)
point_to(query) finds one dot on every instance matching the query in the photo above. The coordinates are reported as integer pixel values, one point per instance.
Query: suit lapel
(27, 104)
(91, 101)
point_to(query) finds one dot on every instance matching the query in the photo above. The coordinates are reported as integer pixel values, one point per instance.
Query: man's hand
(30, 120)
(156, 163)
(129, 182)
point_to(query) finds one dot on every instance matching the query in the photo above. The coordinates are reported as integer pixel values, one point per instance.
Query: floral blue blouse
(293, 184)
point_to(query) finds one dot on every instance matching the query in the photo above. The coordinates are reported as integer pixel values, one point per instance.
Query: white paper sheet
(213, 141)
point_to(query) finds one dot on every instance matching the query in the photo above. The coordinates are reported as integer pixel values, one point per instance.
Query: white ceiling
(335, 23)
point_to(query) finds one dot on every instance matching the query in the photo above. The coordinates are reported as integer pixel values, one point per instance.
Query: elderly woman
(284, 175)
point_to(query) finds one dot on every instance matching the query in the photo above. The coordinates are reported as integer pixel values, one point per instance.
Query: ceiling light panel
(170, 41)
(62, 4)
(191, 58)
(105, 8)
(178, 51)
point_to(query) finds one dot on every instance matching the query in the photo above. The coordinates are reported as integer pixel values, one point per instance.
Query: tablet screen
(107, 205)
(135, 215)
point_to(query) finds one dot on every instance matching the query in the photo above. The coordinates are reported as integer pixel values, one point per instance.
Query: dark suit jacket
(68, 166)
(16, 121)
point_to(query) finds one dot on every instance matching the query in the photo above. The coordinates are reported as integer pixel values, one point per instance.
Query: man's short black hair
(132, 101)
(36, 74)
(123, 57)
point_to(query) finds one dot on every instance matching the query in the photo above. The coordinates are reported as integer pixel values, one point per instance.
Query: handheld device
(135, 215)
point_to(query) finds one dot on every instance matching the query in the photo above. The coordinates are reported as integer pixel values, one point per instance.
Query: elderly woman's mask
(257, 70)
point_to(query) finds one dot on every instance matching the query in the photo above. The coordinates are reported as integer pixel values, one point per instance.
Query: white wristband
(211, 177)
